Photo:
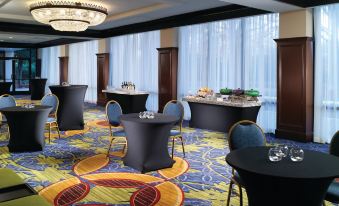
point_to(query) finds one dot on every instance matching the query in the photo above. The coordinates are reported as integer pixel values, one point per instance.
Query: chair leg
(229, 193)
(182, 144)
(110, 130)
(240, 191)
(57, 127)
(49, 133)
(172, 147)
(8, 134)
(109, 148)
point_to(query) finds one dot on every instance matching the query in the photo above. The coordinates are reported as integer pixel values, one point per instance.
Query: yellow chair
(113, 113)
(52, 121)
(176, 108)
(254, 136)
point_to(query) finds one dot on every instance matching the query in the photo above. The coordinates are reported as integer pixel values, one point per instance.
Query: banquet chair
(6, 100)
(52, 121)
(332, 194)
(176, 108)
(113, 113)
(243, 134)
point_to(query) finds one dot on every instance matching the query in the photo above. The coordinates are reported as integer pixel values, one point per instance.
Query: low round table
(147, 141)
(37, 87)
(71, 106)
(285, 182)
(26, 127)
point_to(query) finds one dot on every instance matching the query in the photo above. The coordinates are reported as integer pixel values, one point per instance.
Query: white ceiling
(25, 38)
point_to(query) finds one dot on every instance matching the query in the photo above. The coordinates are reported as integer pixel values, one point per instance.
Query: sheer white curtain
(134, 58)
(326, 98)
(50, 65)
(260, 64)
(82, 67)
(237, 53)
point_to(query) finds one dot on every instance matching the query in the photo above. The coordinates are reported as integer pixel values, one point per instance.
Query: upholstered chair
(6, 100)
(52, 121)
(243, 134)
(113, 113)
(175, 108)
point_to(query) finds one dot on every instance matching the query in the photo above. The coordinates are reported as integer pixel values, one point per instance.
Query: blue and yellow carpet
(74, 170)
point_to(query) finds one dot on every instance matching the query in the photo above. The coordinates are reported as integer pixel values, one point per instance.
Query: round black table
(37, 88)
(5, 87)
(285, 182)
(71, 106)
(147, 141)
(26, 127)
(130, 103)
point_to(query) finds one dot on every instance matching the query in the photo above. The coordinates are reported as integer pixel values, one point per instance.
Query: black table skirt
(148, 142)
(71, 106)
(129, 103)
(37, 87)
(26, 127)
(285, 182)
(219, 118)
(5, 87)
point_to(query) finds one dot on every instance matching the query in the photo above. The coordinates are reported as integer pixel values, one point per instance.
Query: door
(21, 73)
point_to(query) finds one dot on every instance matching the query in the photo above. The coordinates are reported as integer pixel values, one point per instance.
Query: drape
(82, 67)
(326, 85)
(237, 53)
(134, 58)
(50, 65)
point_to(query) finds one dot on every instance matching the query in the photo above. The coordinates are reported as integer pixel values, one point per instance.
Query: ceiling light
(68, 15)
(10, 37)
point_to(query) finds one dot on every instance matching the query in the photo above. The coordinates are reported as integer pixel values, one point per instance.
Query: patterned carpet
(74, 170)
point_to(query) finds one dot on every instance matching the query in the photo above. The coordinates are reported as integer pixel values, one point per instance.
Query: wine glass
(297, 154)
(283, 150)
(274, 154)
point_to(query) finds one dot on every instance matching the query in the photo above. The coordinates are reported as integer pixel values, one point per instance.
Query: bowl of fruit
(226, 91)
(252, 93)
(204, 92)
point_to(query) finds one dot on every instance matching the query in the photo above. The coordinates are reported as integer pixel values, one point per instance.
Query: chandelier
(68, 15)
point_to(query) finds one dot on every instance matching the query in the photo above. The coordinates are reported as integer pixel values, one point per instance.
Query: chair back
(175, 108)
(244, 134)
(334, 145)
(7, 100)
(52, 101)
(113, 113)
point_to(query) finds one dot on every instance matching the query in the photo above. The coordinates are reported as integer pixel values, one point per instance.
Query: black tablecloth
(37, 87)
(218, 117)
(147, 141)
(129, 103)
(5, 87)
(26, 127)
(284, 182)
(71, 106)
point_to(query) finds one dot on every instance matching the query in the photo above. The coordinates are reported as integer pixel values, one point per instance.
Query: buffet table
(220, 115)
(130, 101)
(37, 87)
(71, 106)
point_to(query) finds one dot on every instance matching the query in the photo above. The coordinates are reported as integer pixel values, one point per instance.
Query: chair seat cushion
(175, 132)
(9, 178)
(332, 194)
(29, 200)
(237, 178)
(120, 133)
(51, 119)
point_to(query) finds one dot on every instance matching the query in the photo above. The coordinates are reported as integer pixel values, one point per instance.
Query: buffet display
(128, 86)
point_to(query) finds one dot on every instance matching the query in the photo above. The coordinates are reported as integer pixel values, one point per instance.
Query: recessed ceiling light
(10, 37)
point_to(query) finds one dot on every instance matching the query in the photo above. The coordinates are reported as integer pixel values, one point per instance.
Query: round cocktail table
(147, 141)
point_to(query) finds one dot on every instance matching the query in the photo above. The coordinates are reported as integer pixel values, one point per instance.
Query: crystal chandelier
(68, 15)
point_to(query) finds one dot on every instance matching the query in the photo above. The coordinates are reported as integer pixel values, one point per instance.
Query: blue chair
(52, 121)
(243, 134)
(113, 113)
(6, 100)
(176, 108)
(332, 194)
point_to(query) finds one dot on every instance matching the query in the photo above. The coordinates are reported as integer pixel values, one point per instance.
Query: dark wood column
(63, 64)
(168, 67)
(38, 68)
(102, 76)
(295, 89)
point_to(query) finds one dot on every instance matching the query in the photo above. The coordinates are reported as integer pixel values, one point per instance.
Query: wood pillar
(63, 64)
(168, 67)
(295, 89)
(103, 76)
(38, 68)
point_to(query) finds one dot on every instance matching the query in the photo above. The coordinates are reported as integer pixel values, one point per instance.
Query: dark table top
(314, 165)
(22, 109)
(73, 86)
(158, 118)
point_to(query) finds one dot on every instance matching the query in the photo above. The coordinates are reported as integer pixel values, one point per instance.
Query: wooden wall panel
(102, 76)
(295, 89)
(168, 67)
(63, 69)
